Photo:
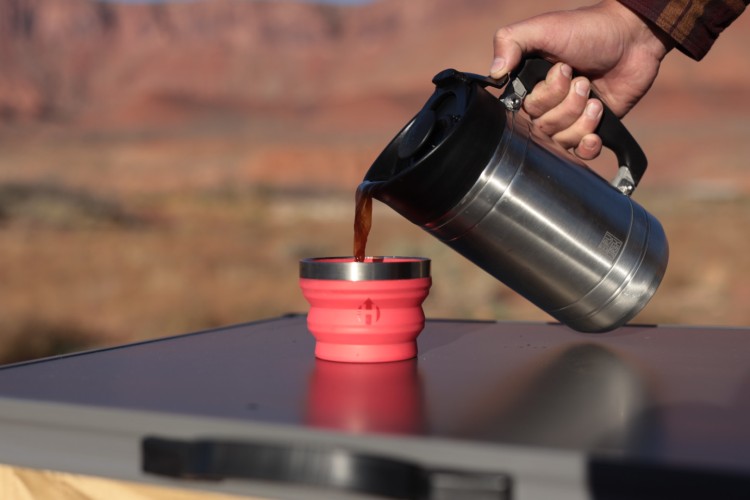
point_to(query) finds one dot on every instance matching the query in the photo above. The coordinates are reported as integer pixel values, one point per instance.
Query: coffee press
(471, 170)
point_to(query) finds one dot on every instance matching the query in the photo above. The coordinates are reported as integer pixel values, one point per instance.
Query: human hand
(608, 45)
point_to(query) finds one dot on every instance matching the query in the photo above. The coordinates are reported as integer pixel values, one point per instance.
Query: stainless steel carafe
(471, 170)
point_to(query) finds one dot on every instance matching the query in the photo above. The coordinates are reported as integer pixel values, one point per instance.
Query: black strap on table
(334, 468)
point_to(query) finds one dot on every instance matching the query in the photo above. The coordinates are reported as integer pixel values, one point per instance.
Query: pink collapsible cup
(365, 312)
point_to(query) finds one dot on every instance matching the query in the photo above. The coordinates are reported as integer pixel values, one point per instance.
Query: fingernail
(566, 70)
(498, 65)
(593, 109)
(582, 88)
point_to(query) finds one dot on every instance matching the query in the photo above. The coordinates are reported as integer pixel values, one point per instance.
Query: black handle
(615, 136)
(335, 468)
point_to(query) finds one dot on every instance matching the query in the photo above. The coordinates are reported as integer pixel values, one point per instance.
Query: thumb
(512, 42)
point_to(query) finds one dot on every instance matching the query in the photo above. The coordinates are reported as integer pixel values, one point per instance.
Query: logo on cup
(368, 312)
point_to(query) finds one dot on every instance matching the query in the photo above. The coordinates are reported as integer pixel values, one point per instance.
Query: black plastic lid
(438, 156)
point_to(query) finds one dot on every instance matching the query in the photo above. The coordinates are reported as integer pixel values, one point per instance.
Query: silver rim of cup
(373, 268)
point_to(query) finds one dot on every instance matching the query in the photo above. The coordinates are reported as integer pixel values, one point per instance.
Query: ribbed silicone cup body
(365, 321)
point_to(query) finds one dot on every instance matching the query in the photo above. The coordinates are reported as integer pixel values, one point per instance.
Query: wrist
(643, 32)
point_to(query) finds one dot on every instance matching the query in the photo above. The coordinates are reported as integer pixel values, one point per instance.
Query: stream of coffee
(362, 218)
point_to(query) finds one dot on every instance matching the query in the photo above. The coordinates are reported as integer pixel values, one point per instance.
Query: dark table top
(658, 393)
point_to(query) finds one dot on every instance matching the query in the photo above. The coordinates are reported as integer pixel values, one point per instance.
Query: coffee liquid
(362, 218)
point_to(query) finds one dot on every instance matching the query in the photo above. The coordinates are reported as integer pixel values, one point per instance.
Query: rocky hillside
(89, 59)
(86, 60)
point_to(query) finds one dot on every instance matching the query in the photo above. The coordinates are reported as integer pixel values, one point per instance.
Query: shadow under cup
(365, 312)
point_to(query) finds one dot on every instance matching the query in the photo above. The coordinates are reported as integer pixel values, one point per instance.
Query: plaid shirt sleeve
(694, 25)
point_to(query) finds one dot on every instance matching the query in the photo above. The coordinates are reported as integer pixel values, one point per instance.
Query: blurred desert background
(164, 166)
